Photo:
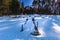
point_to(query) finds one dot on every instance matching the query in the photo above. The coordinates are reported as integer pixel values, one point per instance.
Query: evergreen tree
(0, 2)
(22, 7)
(14, 7)
(43, 2)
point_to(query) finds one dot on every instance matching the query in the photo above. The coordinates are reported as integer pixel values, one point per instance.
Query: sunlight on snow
(56, 27)
(17, 19)
(4, 28)
(2, 20)
(38, 17)
(47, 17)
(17, 39)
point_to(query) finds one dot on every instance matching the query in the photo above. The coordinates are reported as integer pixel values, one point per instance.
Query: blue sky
(27, 2)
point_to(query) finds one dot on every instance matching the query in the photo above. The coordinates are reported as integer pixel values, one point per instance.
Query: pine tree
(22, 7)
(0, 2)
(43, 2)
(14, 7)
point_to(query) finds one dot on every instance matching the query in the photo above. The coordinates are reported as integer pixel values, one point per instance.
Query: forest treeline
(9, 7)
(15, 7)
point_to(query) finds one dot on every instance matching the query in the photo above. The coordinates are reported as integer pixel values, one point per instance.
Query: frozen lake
(48, 26)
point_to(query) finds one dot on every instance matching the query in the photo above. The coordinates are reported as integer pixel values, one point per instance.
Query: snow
(56, 27)
(4, 28)
(48, 26)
